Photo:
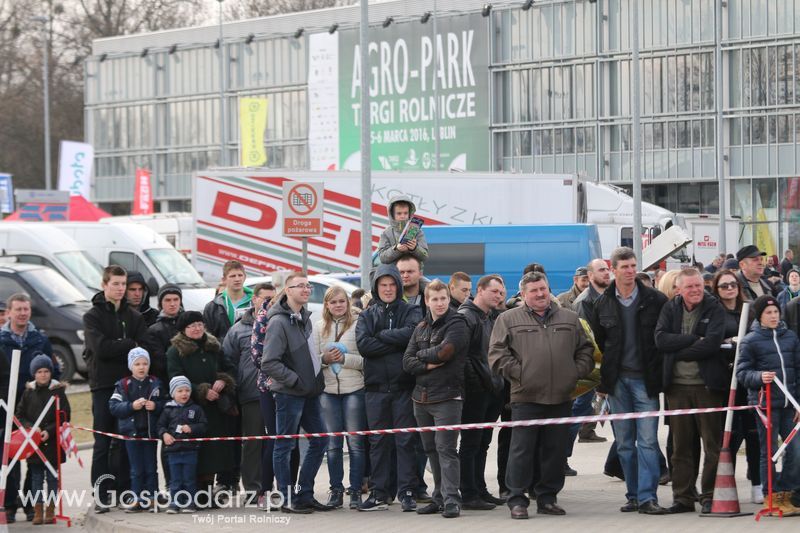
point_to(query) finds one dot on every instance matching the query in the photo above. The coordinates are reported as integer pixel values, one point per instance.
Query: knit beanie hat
(39, 362)
(187, 318)
(761, 304)
(177, 382)
(137, 353)
(169, 288)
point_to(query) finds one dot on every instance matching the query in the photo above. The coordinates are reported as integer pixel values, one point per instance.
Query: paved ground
(591, 500)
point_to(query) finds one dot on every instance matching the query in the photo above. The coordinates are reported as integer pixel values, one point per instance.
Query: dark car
(57, 310)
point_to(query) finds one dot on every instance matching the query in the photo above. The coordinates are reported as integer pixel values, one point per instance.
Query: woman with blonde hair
(667, 284)
(342, 402)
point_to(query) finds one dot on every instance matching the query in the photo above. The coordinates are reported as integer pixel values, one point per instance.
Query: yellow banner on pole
(252, 124)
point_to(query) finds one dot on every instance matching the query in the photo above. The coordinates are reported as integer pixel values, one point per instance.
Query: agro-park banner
(411, 74)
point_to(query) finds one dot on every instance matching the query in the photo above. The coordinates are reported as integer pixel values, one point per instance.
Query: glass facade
(561, 101)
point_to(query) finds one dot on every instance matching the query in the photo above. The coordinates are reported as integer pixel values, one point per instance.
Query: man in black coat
(138, 296)
(751, 270)
(689, 332)
(111, 328)
(383, 331)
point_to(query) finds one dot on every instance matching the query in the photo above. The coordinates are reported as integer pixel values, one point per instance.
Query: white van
(177, 228)
(136, 247)
(42, 243)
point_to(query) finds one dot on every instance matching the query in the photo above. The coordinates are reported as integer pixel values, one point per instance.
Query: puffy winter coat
(174, 415)
(351, 376)
(34, 398)
(141, 422)
(769, 350)
(382, 334)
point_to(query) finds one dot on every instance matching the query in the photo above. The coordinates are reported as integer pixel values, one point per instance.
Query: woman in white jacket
(343, 407)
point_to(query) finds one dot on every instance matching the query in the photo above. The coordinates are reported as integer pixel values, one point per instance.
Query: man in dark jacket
(237, 348)
(111, 328)
(138, 296)
(460, 286)
(751, 270)
(383, 331)
(295, 379)
(542, 350)
(222, 312)
(623, 322)
(689, 332)
(436, 356)
(483, 391)
(413, 285)
(159, 335)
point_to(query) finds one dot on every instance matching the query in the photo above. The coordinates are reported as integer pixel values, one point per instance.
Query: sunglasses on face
(731, 285)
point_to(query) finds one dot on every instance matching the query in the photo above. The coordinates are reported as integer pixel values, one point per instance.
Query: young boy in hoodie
(137, 402)
(36, 395)
(401, 209)
(181, 419)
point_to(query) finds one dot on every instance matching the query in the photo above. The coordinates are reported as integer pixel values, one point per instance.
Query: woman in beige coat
(343, 407)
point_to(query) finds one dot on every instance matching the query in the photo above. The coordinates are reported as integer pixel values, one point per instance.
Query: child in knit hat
(770, 351)
(182, 419)
(36, 395)
(137, 402)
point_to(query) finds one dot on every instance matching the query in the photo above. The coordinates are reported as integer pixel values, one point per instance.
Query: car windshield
(52, 286)
(175, 268)
(83, 267)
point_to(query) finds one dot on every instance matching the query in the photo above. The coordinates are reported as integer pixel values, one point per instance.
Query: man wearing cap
(138, 296)
(580, 281)
(159, 335)
(690, 330)
(751, 268)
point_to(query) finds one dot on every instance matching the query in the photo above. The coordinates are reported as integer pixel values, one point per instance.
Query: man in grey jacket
(237, 347)
(295, 379)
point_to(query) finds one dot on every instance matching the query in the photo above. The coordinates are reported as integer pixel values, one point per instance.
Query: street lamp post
(48, 172)
(223, 157)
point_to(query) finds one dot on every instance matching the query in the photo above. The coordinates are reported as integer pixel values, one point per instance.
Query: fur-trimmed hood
(187, 346)
(54, 384)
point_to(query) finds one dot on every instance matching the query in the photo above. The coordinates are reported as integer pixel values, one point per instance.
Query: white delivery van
(177, 228)
(136, 247)
(43, 243)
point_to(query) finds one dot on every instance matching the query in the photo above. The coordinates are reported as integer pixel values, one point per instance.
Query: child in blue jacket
(181, 419)
(137, 402)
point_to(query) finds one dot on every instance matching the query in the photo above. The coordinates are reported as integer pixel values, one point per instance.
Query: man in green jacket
(542, 350)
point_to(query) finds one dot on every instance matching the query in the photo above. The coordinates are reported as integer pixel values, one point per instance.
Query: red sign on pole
(302, 209)
(143, 195)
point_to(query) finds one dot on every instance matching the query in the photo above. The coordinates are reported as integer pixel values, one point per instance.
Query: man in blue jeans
(295, 379)
(623, 320)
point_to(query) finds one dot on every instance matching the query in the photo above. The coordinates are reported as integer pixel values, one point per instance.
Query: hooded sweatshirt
(148, 313)
(383, 331)
(390, 238)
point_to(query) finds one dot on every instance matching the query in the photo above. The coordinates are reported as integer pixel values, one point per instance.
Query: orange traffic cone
(725, 502)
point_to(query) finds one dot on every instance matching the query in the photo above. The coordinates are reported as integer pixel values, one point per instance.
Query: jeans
(290, 413)
(38, 474)
(440, 447)
(539, 448)
(182, 476)
(582, 406)
(637, 440)
(267, 403)
(143, 457)
(387, 410)
(345, 412)
(788, 478)
(102, 462)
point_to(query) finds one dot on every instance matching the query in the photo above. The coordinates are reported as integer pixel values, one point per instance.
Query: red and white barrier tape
(455, 427)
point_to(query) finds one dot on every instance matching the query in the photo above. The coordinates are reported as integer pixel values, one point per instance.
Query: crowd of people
(415, 353)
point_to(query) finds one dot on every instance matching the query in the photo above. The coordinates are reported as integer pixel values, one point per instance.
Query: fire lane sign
(302, 209)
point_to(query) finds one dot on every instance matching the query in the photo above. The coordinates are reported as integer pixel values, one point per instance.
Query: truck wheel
(65, 360)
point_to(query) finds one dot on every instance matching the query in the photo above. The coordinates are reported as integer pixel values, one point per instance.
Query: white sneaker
(756, 496)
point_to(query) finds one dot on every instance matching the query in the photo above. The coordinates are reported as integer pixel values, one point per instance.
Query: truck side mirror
(152, 286)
